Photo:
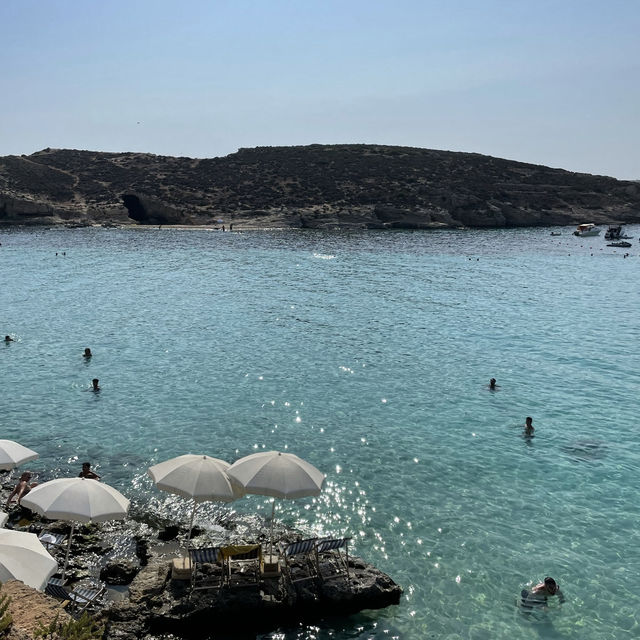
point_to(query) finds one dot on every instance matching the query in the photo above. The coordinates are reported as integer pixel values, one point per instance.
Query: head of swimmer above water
(551, 585)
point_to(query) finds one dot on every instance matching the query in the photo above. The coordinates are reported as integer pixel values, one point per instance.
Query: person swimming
(96, 386)
(537, 597)
(87, 472)
(87, 353)
(8, 339)
(528, 428)
(492, 384)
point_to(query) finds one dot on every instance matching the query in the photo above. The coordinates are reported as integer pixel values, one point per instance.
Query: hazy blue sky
(549, 82)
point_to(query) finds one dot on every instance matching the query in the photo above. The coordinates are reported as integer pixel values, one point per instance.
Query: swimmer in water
(8, 339)
(538, 596)
(492, 384)
(528, 428)
(87, 473)
(95, 382)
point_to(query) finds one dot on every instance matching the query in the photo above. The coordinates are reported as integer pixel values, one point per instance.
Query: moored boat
(587, 229)
(613, 232)
(616, 232)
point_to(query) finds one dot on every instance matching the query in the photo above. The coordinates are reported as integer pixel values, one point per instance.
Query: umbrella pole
(273, 512)
(193, 515)
(66, 557)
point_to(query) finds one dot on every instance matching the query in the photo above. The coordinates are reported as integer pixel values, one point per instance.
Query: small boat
(615, 232)
(619, 244)
(588, 229)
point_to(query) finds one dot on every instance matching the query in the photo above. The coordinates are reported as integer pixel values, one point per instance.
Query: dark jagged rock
(312, 187)
(119, 571)
(170, 532)
(158, 604)
(142, 551)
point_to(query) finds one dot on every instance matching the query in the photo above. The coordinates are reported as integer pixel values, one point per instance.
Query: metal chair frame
(306, 549)
(201, 557)
(57, 541)
(79, 598)
(252, 558)
(331, 548)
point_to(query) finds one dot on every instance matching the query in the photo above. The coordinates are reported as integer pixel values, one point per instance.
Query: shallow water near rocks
(369, 355)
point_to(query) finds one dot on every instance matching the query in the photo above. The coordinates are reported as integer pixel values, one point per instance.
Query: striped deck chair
(51, 540)
(330, 562)
(304, 550)
(247, 558)
(79, 598)
(207, 568)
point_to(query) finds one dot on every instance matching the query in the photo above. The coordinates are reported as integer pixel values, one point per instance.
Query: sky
(541, 81)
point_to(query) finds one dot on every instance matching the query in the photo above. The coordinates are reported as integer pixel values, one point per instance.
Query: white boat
(588, 229)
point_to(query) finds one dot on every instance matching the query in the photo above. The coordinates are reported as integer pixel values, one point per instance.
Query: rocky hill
(316, 186)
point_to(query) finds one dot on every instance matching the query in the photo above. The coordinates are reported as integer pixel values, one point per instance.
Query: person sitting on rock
(22, 488)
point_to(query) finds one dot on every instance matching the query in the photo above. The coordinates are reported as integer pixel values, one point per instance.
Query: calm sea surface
(367, 354)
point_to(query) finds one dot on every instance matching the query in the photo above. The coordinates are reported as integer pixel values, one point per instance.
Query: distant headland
(355, 186)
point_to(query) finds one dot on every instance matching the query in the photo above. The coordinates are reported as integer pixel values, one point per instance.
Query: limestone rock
(119, 571)
(312, 187)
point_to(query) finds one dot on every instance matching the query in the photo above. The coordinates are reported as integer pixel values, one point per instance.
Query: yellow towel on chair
(236, 549)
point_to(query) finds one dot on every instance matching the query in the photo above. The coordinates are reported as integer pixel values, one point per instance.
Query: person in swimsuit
(537, 597)
(528, 428)
(87, 473)
(22, 488)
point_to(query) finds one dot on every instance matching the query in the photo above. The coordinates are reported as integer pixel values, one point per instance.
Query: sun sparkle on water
(205, 343)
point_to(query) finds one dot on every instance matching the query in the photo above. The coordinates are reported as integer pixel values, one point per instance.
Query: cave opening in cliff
(135, 209)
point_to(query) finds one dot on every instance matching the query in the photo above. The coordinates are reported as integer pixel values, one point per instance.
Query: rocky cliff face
(316, 186)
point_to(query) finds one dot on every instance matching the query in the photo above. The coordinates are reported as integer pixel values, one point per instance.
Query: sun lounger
(207, 568)
(52, 540)
(246, 559)
(304, 551)
(330, 561)
(79, 598)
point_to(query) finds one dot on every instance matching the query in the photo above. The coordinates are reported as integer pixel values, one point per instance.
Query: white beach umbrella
(23, 557)
(76, 500)
(13, 454)
(281, 475)
(198, 477)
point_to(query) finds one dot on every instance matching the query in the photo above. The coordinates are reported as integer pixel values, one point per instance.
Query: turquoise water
(367, 354)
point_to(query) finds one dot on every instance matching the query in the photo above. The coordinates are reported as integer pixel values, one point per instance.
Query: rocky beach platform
(147, 597)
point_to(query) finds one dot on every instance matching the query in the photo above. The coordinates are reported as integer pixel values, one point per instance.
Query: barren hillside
(316, 186)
